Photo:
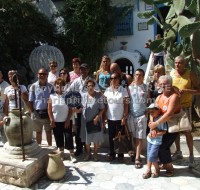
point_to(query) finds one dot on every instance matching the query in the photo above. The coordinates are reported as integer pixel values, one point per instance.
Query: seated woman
(169, 103)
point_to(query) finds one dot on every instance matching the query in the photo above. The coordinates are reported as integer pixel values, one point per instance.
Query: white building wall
(137, 40)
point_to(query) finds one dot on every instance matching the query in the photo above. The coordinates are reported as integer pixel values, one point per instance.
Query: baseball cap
(152, 106)
(84, 66)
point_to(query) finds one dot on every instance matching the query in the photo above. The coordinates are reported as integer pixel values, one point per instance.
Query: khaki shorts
(188, 110)
(40, 123)
(137, 126)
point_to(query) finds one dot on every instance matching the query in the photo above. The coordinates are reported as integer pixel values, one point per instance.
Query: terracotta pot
(55, 168)
(12, 128)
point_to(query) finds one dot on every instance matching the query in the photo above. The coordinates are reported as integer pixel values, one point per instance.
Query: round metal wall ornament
(42, 55)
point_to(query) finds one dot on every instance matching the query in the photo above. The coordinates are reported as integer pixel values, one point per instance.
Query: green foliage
(179, 6)
(157, 45)
(22, 28)
(89, 24)
(146, 14)
(178, 22)
(142, 59)
(189, 29)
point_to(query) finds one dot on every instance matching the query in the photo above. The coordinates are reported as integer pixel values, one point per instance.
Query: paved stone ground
(120, 176)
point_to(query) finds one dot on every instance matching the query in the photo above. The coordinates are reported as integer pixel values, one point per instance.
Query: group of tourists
(109, 98)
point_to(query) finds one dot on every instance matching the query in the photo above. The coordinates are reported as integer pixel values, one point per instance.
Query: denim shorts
(152, 152)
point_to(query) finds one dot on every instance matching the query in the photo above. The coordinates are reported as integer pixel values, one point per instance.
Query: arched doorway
(125, 65)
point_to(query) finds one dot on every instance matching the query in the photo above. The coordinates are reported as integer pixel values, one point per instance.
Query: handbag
(179, 122)
(122, 142)
(92, 128)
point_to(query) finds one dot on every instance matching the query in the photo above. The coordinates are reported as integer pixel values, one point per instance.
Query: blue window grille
(124, 26)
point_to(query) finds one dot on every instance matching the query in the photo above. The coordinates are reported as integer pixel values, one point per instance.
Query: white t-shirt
(59, 108)
(115, 102)
(52, 77)
(3, 85)
(10, 93)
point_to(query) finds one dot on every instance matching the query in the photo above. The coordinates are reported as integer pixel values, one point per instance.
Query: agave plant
(183, 22)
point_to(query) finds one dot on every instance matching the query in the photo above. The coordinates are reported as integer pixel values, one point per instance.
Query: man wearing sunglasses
(38, 98)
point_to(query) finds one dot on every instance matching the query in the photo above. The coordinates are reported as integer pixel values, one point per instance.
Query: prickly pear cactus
(183, 22)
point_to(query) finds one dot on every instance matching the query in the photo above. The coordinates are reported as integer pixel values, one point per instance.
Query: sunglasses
(62, 73)
(42, 74)
(53, 65)
(113, 78)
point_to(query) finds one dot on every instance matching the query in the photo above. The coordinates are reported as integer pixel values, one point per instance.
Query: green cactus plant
(183, 20)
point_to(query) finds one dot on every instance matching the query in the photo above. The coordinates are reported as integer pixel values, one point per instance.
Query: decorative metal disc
(73, 99)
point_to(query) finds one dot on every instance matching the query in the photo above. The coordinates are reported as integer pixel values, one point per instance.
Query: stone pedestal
(23, 173)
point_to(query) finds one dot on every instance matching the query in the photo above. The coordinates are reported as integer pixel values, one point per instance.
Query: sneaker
(177, 155)
(73, 158)
(88, 157)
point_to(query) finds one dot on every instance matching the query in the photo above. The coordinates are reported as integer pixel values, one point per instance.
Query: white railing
(148, 69)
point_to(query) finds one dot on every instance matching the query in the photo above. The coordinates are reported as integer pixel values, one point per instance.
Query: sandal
(162, 167)
(169, 173)
(155, 175)
(138, 164)
(132, 155)
(146, 175)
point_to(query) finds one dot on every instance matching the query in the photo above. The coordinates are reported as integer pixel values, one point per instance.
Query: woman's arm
(174, 104)
(98, 116)
(67, 122)
(126, 100)
(50, 113)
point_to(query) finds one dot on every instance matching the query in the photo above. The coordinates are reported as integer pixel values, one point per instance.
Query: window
(124, 26)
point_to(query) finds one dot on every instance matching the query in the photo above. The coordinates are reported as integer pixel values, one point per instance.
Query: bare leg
(138, 144)
(49, 137)
(147, 174)
(88, 149)
(149, 167)
(189, 140)
(39, 137)
(156, 166)
(96, 146)
(177, 142)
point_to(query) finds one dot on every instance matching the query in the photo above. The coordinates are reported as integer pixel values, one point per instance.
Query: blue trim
(179, 39)
(155, 26)
(160, 5)
(138, 5)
